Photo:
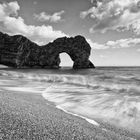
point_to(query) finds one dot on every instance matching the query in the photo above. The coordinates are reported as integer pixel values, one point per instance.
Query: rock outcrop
(18, 51)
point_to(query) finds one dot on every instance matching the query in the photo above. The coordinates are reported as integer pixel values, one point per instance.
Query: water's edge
(58, 107)
(108, 94)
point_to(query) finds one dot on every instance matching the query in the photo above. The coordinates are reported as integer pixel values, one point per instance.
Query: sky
(111, 27)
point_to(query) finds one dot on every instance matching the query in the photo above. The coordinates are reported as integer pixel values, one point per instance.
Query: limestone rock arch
(17, 51)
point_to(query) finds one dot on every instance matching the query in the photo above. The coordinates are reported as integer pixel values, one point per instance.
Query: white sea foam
(23, 89)
(109, 95)
(117, 109)
(44, 94)
(88, 120)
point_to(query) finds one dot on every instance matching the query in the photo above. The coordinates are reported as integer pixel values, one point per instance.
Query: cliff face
(17, 51)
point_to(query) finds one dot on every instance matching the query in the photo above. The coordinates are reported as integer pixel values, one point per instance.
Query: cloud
(56, 17)
(8, 9)
(97, 46)
(124, 43)
(118, 44)
(138, 50)
(14, 24)
(117, 15)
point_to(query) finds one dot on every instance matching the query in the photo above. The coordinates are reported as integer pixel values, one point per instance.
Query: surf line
(91, 121)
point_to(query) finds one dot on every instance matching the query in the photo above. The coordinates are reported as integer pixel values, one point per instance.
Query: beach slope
(26, 116)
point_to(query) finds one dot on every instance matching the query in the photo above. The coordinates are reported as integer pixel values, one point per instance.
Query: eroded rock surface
(18, 51)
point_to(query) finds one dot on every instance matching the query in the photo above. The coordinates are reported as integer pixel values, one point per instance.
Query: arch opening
(65, 60)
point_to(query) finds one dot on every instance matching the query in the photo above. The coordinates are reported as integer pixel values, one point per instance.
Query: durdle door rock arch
(19, 52)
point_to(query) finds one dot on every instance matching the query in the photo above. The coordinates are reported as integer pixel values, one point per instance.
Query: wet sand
(26, 116)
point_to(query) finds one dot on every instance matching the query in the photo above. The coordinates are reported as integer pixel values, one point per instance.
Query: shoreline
(104, 125)
(94, 121)
(88, 120)
(29, 115)
(58, 107)
(87, 126)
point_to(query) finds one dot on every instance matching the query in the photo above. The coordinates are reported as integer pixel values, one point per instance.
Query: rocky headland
(19, 52)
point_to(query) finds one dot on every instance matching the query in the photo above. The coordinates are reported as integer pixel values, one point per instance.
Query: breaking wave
(121, 83)
(112, 95)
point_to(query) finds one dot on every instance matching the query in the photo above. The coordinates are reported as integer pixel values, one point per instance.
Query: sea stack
(19, 52)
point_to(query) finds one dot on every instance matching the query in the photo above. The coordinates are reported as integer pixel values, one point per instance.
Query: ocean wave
(96, 95)
(94, 82)
(117, 109)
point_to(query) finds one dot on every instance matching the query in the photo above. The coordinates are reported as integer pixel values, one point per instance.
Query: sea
(108, 94)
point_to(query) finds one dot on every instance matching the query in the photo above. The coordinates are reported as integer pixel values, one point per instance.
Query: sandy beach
(26, 116)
